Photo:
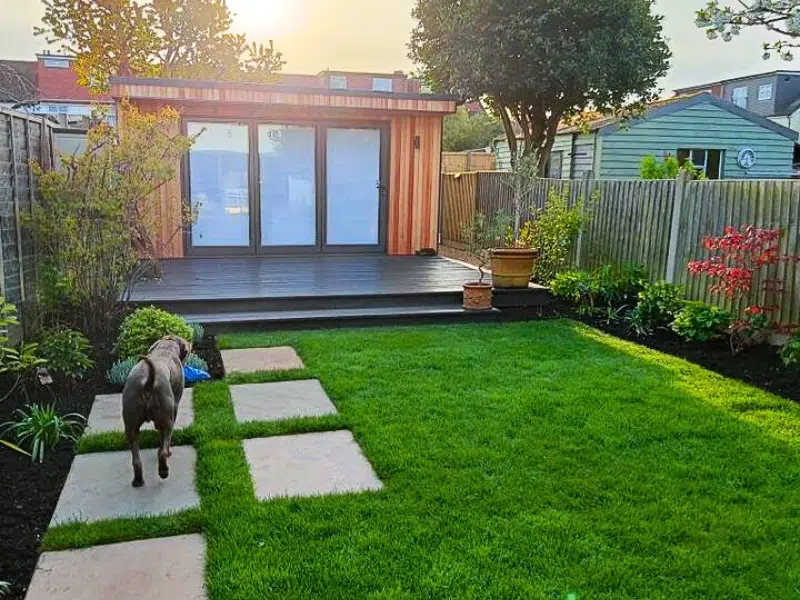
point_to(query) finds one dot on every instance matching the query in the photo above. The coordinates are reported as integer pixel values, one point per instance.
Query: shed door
(354, 188)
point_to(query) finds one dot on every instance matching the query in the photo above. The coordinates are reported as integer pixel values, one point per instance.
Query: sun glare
(259, 14)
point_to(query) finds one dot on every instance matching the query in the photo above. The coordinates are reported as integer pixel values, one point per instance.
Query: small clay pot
(477, 297)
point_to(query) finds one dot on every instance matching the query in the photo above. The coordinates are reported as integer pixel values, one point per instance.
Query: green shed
(722, 139)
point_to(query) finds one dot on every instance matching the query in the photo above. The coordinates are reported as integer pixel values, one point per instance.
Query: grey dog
(153, 392)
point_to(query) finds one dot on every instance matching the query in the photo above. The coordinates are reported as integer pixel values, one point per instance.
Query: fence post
(586, 188)
(675, 225)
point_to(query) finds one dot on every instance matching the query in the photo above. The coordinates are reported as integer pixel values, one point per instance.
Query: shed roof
(610, 123)
(189, 90)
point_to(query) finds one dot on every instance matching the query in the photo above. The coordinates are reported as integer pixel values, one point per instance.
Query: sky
(371, 35)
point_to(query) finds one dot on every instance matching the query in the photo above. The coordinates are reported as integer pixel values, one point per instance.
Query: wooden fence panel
(458, 205)
(467, 162)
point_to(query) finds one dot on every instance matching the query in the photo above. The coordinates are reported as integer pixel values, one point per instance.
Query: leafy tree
(463, 131)
(95, 227)
(168, 38)
(778, 16)
(539, 62)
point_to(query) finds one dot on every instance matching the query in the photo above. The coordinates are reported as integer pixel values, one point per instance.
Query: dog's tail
(151, 374)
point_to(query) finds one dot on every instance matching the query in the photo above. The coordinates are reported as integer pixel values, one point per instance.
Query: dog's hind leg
(164, 451)
(133, 440)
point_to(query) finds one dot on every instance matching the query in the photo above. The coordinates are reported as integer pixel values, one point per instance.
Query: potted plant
(512, 265)
(481, 235)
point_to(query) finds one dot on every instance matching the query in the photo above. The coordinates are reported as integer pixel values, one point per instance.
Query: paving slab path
(106, 414)
(311, 464)
(251, 360)
(167, 569)
(99, 487)
(280, 400)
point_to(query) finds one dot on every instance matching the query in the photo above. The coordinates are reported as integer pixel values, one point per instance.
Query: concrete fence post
(675, 225)
(584, 198)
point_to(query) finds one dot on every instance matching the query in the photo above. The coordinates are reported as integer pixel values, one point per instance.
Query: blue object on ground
(192, 375)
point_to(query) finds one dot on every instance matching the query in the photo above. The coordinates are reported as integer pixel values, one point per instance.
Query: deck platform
(302, 291)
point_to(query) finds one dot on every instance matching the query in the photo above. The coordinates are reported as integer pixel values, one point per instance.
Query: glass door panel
(353, 187)
(219, 184)
(288, 185)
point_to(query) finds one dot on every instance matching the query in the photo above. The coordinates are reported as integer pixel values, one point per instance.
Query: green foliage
(152, 38)
(94, 223)
(578, 287)
(657, 307)
(66, 351)
(41, 428)
(701, 322)
(773, 16)
(118, 373)
(790, 351)
(620, 286)
(463, 131)
(17, 360)
(669, 168)
(552, 233)
(198, 331)
(540, 62)
(145, 326)
(196, 362)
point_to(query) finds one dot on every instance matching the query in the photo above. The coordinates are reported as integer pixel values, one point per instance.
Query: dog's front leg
(133, 440)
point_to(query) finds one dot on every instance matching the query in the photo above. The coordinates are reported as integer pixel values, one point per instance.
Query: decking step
(291, 318)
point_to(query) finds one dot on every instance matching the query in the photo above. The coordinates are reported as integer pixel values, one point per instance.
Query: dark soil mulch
(208, 350)
(30, 490)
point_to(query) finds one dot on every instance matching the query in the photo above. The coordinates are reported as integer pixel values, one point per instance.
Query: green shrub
(790, 352)
(16, 360)
(66, 352)
(145, 326)
(198, 331)
(195, 362)
(620, 285)
(701, 322)
(41, 428)
(658, 304)
(552, 233)
(119, 371)
(578, 287)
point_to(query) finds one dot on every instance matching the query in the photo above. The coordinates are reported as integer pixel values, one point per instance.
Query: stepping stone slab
(168, 568)
(250, 360)
(312, 464)
(282, 400)
(106, 414)
(99, 487)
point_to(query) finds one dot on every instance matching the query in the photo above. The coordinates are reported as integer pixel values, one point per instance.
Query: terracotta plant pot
(512, 267)
(477, 296)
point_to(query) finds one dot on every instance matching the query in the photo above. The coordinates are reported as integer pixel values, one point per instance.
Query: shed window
(338, 82)
(381, 84)
(554, 165)
(709, 162)
(740, 97)
(765, 92)
(56, 63)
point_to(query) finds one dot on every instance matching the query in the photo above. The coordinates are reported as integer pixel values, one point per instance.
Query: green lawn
(526, 460)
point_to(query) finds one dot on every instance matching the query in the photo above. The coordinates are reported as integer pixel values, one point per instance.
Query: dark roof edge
(267, 87)
(701, 86)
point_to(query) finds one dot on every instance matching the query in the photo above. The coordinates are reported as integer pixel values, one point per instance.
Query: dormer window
(56, 63)
(338, 82)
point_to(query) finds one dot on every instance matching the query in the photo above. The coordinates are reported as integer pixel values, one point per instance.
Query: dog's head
(184, 347)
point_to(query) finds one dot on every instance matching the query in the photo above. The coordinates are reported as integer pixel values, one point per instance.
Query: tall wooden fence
(660, 224)
(22, 138)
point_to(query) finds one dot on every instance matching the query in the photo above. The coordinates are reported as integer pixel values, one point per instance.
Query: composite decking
(298, 291)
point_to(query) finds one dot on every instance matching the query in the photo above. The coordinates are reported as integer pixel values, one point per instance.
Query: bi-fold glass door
(274, 187)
